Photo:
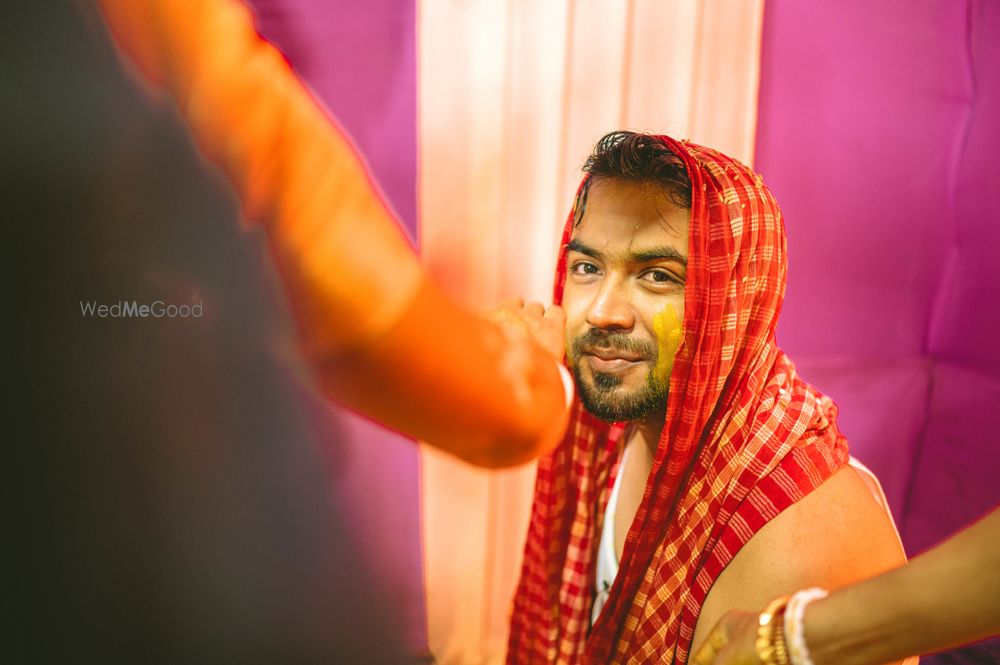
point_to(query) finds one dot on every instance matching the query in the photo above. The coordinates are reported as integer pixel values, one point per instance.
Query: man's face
(624, 298)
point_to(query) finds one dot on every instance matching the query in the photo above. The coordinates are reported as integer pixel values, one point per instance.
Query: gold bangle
(764, 646)
(780, 644)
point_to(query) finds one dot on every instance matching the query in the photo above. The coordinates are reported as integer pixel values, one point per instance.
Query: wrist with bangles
(781, 631)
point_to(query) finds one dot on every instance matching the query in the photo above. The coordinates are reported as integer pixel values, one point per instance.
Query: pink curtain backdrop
(512, 95)
(359, 59)
(879, 125)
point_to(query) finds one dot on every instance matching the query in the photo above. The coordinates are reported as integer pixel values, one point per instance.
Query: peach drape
(511, 96)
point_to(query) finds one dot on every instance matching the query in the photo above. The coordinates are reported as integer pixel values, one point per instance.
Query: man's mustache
(596, 338)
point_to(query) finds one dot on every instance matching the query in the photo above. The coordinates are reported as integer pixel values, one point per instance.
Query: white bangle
(798, 652)
(568, 385)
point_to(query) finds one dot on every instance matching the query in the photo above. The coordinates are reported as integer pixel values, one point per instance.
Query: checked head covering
(744, 438)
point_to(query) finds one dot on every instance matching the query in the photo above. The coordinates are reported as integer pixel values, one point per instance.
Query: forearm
(333, 237)
(945, 597)
(459, 382)
(383, 340)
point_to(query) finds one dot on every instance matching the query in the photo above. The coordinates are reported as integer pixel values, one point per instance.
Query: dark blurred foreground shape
(169, 501)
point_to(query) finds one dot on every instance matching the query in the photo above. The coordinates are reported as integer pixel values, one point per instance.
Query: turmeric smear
(667, 326)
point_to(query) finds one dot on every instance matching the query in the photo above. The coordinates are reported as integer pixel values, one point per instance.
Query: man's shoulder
(835, 535)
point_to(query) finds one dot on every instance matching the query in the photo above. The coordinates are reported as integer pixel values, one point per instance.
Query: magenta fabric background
(878, 132)
(359, 57)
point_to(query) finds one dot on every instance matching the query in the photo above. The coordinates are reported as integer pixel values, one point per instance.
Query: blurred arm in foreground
(383, 339)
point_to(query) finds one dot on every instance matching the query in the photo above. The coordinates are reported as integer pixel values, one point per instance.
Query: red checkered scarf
(744, 438)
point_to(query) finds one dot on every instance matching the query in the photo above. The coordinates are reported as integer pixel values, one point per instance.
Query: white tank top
(607, 561)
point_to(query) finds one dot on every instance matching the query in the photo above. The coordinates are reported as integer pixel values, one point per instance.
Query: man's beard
(601, 398)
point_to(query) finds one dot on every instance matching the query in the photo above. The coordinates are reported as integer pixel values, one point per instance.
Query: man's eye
(660, 277)
(584, 268)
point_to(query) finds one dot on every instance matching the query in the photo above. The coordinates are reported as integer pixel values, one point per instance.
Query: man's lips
(613, 354)
(611, 360)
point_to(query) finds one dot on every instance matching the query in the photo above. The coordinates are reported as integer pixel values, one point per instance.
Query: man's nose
(611, 307)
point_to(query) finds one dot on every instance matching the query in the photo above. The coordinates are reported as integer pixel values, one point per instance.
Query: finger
(533, 311)
(556, 314)
(515, 303)
(730, 655)
(715, 641)
(705, 654)
(718, 637)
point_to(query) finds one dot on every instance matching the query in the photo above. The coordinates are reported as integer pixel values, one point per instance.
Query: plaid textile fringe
(744, 438)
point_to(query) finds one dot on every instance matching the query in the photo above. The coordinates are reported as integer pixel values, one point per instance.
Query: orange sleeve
(385, 340)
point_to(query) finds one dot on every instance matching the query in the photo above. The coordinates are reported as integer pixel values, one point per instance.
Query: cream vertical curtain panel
(512, 96)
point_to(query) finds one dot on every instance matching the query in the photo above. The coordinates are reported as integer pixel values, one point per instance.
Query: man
(699, 473)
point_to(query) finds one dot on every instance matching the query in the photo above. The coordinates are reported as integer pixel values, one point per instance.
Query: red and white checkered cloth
(744, 438)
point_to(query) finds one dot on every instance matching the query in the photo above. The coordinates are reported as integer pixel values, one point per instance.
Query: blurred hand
(547, 328)
(731, 642)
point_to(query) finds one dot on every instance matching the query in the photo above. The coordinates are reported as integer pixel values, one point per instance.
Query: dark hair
(638, 158)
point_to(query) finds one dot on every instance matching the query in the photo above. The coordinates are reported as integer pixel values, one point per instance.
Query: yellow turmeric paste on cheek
(667, 327)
